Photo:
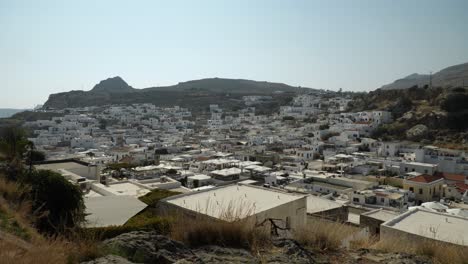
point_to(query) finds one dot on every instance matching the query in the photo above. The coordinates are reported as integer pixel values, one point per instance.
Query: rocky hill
(7, 112)
(149, 247)
(112, 85)
(436, 116)
(452, 76)
(205, 91)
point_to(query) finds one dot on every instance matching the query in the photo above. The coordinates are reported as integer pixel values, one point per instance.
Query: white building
(255, 204)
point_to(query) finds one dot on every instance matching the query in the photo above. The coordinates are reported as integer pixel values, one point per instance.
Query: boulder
(417, 132)
(149, 247)
(109, 259)
(217, 254)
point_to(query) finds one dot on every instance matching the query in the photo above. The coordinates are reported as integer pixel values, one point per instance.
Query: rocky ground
(148, 247)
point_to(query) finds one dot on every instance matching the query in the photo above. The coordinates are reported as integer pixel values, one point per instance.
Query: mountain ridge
(451, 76)
(116, 91)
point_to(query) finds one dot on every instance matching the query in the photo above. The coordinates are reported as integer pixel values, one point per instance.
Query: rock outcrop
(417, 132)
(149, 247)
(109, 259)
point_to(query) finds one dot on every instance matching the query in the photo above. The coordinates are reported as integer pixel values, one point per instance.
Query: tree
(35, 156)
(13, 146)
(171, 171)
(103, 123)
(58, 203)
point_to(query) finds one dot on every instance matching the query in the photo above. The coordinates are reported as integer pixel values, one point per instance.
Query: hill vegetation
(186, 94)
(441, 114)
(450, 77)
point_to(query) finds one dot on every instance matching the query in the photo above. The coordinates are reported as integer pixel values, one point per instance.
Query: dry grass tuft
(439, 252)
(235, 229)
(204, 231)
(50, 251)
(324, 235)
(14, 193)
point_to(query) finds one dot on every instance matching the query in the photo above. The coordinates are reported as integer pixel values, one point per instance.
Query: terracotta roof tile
(424, 178)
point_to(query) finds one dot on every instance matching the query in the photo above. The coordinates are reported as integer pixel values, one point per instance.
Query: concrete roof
(420, 164)
(69, 166)
(199, 177)
(111, 210)
(316, 204)
(227, 172)
(380, 214)
(123, 188)
(447, 228)
(240, 200)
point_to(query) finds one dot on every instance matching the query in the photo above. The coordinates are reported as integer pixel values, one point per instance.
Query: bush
(59, 202)
(156, 195)
(458, 120)
(35, 156)
(324, 126)
(455, 102)
(160, 225)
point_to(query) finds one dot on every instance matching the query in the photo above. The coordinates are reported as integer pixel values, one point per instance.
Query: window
(411, 189)
(406, 169)
(420, 191)
(288, 223)
(425, 171)
(356, 200)
(382, 200)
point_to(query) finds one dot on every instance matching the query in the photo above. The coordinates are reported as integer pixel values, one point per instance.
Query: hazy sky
(55, 46)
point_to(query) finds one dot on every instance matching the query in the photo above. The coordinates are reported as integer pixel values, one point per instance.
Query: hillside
(8, 112)
(452, 76)
(432, 116)
(192, 93)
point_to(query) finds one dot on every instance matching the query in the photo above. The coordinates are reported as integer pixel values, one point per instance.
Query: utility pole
(430, 80)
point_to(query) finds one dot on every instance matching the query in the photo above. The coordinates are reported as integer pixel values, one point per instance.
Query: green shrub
(158, 224)
(59, 202)
(156, 195)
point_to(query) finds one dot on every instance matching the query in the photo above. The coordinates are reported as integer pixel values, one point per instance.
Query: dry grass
(233, 227)
(21, 243)
(439, 252)
(14, 193)
(45, 253)
(324, 235)
(48, 251)
(204, 231)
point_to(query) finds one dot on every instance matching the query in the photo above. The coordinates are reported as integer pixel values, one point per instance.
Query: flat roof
(92, 193)
(244, 200)
(70, 166)
(382, 215)
(420, 164)
(111, 210)
(316, 204)
(200, 177)
(248, 181)
(227, 172)
(432, 225)
(126, 188)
